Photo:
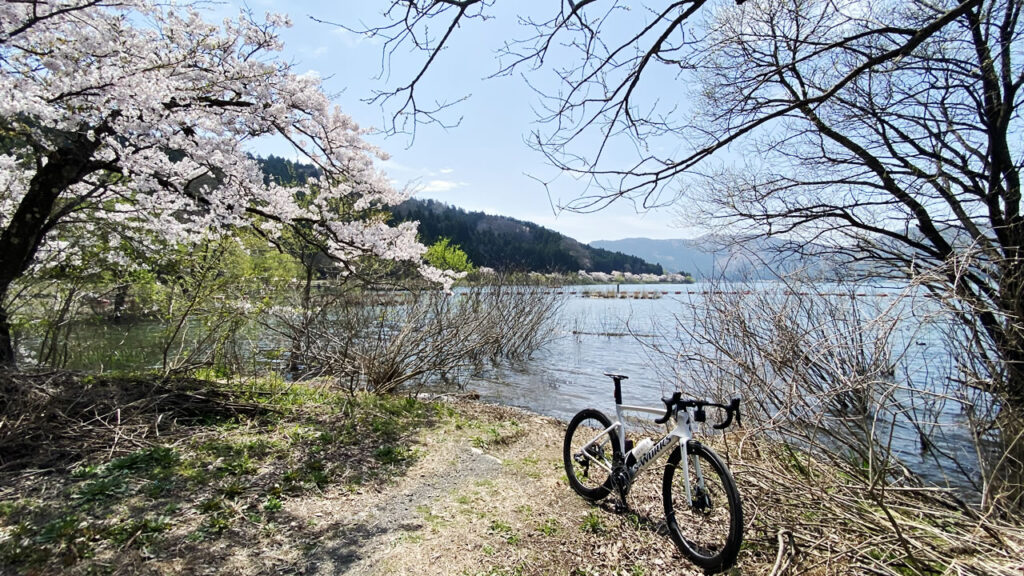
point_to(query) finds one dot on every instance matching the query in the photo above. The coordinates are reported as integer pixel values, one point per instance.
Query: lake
(617, 333)
(598, 335)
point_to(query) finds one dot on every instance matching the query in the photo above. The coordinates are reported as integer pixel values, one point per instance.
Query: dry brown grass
(368, 485)
(823, 520)
(54, 418)
(519, 516)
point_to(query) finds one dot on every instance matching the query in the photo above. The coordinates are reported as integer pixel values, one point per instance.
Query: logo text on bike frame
(654, 452)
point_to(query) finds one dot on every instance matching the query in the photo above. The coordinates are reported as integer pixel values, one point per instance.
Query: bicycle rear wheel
(588, 451)
(708, 528)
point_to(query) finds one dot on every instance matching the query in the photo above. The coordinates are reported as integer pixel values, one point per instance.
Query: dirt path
(369, 528)
(308, 482)
(319, 484)
(315, 483)
(486, 496)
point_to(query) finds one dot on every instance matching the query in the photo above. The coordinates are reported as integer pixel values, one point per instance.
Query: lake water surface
(598, 335)
(592, 336)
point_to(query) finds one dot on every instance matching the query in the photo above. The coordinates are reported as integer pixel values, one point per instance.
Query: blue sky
(481, 165)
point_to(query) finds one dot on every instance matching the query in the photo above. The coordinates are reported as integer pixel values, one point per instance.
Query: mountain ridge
(507, 244)
(713, 255)
(498, 242)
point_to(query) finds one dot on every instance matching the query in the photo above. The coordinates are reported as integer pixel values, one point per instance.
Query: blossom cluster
(630, 278)
(148, 109)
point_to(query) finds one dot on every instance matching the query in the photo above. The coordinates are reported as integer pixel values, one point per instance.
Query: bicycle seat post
(617, 378)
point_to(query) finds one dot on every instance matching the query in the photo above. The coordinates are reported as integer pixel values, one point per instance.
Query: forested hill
(506, 244)
(286, 172)
(497, 242)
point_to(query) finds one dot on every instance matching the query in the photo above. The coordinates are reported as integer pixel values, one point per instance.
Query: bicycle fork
(701, 500)
(696, 495)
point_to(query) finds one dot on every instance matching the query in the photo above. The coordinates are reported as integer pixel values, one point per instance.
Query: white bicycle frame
(679, 434)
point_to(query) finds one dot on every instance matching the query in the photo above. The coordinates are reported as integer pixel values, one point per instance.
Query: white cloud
(446, 170)
(391, 165)
(434, 186)
(351, 39)
(318, 51)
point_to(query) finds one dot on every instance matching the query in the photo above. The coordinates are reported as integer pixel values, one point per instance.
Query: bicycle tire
(709, 529)
(584, 427)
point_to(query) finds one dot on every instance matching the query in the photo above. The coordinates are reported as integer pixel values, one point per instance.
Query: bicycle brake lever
(732, 408)
(669, 403)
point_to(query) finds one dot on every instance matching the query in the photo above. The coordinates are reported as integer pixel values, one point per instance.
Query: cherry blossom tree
(132, 118)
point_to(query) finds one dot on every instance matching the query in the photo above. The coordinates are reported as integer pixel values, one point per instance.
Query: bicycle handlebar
(675, 403)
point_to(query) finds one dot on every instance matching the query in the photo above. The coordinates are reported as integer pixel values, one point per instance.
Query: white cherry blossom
(138, 114)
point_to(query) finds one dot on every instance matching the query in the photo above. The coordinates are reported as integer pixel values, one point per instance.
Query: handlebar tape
(733, 409)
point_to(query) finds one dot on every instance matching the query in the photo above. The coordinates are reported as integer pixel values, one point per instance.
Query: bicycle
(702, 511)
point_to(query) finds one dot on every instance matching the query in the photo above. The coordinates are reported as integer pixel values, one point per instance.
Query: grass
(275, 478)
(505, 532)
(593, 524)
(394, 455)
(549, 527)
(497, 434)
(221, 476)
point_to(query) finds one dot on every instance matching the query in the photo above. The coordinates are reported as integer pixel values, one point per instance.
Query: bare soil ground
(487, 496)
(126, 476)
(136, 475)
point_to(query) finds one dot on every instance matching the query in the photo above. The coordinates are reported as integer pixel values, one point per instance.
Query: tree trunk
(7, 355)
(120, 303)
(34, 217)
(297, 359)
(1006, 489)
(1007, 464)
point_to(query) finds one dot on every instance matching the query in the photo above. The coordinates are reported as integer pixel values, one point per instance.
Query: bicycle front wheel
(708, 527)
(589, 450)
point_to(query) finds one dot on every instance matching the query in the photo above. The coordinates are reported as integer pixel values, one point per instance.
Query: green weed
(157, 488)
(505, 531)
(138, 532)
(233, 489)
(101, 489)
(499, 434)
(517, 570)
(393, 454)
(89, 471)
(239, 466)
(592, 524)
(70, 535)
(152, 460)
(211, 505)
(10, 508)
(549, 527)
(217, 523)
(18, 548)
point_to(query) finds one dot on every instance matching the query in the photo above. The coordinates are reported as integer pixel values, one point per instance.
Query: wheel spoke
(589, 452)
